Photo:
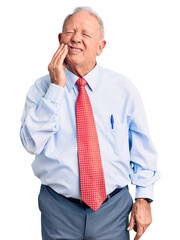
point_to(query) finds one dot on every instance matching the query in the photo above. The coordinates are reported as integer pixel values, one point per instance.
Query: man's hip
(64, 218)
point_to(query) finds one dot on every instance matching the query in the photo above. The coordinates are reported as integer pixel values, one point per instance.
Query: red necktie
(93, 191)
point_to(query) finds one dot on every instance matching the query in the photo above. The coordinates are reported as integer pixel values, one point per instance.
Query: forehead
(83, 20)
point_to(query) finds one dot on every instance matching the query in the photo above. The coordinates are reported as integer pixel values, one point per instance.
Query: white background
(143, 43)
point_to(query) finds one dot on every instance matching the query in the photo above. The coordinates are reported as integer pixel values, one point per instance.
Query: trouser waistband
(79, 201)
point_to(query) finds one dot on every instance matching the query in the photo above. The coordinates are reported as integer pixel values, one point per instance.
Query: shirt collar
(91, 78)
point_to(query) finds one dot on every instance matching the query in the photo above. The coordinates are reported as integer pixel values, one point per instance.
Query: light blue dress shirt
(49, 131)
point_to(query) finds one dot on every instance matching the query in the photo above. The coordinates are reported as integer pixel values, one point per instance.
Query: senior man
(87, 127)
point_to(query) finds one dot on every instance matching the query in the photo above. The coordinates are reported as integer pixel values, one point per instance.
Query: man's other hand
(57, 66)
(141, 217)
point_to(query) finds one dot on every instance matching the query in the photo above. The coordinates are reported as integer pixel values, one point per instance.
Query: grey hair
(91, 12)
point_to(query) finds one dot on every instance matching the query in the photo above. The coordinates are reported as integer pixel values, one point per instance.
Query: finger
(132, 223)
(137, 237)
(62, 56)
(140, 232)
(144, 228)
(135, 227)
(59, 60)
(56, 55)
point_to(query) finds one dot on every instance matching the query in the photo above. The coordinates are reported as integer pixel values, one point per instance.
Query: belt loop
(108, 196)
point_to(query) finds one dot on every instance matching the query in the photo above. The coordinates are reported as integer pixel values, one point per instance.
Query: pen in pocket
(112, 121)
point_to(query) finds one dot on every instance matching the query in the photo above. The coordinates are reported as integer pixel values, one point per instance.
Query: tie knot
(81, 82)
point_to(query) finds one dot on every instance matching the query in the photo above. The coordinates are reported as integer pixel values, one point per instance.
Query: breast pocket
(117, 138)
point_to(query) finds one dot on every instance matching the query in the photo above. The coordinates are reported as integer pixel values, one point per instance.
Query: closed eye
(70, 32)
(86, 35)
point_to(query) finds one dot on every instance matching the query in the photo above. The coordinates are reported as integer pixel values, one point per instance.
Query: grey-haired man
(49, 131)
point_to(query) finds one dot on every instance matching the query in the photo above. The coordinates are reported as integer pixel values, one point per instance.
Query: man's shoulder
(110, 72)
(40, 86)
(43, 80)
(117, 79)
(42, 83)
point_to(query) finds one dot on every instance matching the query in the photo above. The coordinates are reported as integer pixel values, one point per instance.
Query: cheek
(64, 40)
(93, 51)
(91, 48)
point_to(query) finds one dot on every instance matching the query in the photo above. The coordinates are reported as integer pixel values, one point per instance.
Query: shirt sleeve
(40, 116)
(143, 155)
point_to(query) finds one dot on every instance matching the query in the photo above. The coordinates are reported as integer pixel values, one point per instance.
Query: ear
(101, 46)
(59, 37)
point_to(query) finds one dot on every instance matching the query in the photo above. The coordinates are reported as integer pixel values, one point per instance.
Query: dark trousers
(63, 219)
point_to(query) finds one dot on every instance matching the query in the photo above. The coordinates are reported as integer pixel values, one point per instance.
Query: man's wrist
(147, 199)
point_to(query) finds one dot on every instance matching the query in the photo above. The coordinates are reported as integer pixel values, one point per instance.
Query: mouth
(75, 49)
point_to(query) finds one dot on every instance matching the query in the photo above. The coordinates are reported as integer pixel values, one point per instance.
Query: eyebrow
(84, 30)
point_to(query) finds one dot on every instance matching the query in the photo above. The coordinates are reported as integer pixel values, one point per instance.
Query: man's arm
(41, 111)
(144, 167)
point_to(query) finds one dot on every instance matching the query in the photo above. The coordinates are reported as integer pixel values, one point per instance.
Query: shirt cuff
(144, 192)
(55, 93)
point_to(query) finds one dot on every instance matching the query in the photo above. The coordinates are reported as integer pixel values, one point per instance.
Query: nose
(76, 37)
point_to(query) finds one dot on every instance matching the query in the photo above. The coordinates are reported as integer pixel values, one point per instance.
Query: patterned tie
(93, 191)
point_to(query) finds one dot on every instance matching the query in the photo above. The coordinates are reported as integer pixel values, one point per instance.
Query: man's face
(83, 36)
